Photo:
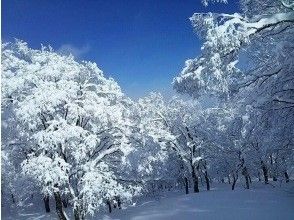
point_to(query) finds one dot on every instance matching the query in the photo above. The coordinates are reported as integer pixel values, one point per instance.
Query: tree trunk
(229, 179)
(78, 212)
(273, 165)
(109, 206)
(265, 172)
(259, 177)
(247, 182)
(186, 185)
(235, 178)
(59, 206)
(12, 198)
(65, 202)
(246, 175)
(287, 177)
(195, 181)
(201, 180)
(118, 202)
(207, 180)
(46, 203)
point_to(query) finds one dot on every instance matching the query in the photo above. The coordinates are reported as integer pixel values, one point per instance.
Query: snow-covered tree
(152, 138)
(227, 35)
(183, 129)
(75, 122)
(246, 58)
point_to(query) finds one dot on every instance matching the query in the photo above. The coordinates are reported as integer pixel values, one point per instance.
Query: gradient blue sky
(141, 44)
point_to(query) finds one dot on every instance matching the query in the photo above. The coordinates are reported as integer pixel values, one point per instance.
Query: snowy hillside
(260, 202)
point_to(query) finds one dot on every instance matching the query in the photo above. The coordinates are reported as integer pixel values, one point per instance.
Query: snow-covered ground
(260, 202)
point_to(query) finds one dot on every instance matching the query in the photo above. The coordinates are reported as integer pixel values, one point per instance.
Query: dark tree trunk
(77, 213)
(235, 178)
(265, 172)
(273, 165)
(46, 203)
(259, 177)
(59, 206)
(195, 180)
(246, 175)
(109, 206)
(247, 182)
(207, 180)
(206, 176)
(287, 177)
(250, 180)
(186, 185)
(65, 202)
(229, 179)
(118, 202)
(12, 198)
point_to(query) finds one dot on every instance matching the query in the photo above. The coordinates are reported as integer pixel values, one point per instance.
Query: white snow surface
(260, 202)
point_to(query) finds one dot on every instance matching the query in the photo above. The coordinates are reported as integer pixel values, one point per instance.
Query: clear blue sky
(141, 44)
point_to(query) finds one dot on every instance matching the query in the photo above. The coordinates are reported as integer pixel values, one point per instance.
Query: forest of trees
(70, 134)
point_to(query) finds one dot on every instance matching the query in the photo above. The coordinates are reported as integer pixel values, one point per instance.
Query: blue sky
(141, 44)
